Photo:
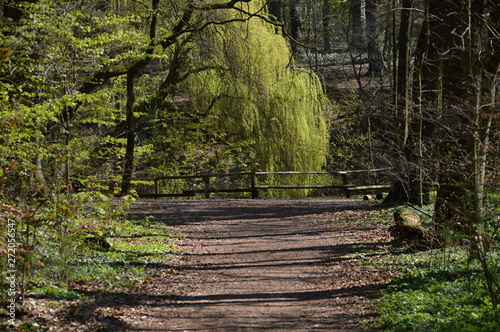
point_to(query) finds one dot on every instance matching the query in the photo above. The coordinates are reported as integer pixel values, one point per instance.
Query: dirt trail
(260, 265)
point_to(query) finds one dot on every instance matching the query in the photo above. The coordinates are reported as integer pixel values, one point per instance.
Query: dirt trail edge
(261, 265)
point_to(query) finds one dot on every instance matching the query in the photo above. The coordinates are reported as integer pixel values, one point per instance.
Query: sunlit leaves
(250, 91)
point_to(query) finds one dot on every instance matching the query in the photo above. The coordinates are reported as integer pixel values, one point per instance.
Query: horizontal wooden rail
(326, 186)
(181, 177)
(327, 172)
(371, 187)
(347, 186)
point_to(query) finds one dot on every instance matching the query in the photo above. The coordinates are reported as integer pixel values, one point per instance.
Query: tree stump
(99, 242)
(408, 229)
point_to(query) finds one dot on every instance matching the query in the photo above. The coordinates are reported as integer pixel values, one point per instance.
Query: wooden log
(370, 187)
(303, 187)
(408, 229)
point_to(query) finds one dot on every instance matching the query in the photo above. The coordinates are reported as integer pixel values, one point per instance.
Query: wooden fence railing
(348, 186)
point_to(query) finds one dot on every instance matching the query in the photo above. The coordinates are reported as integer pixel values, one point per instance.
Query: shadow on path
(178, 212)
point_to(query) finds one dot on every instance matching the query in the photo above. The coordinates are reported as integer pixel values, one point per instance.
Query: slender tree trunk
(275, 7)
(326, 21)
(132, 74)
(295, 22)
(372, 48)
(422, 49)
(128, 160)
(355, 40)
(402, 97)
(406, 189)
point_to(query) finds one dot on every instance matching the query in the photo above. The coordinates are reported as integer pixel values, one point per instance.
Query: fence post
(206, 190)
(157, 188)
(253, 184)
(346, 182)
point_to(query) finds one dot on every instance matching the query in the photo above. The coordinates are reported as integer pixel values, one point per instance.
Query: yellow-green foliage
(253, 92)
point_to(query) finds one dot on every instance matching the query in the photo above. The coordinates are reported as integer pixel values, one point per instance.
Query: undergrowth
(79, 262)
(442, 289)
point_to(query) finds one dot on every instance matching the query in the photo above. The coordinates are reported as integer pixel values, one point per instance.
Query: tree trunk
(295, 22)
(275, 7)
(11, 9)
(128, 160)
(374, 56)
(355, 40)
(444, 76)
(326, 21)
(409, 188)
(133, 72)
(402, 98)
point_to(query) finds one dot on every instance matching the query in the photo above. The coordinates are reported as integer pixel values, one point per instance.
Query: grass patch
(441, 290)
(74, 271)
(135, 246)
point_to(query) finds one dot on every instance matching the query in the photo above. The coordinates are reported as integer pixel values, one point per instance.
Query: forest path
(262, 265)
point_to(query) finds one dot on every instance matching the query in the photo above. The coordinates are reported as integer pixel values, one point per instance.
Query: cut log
(99, 242)
(408, 229)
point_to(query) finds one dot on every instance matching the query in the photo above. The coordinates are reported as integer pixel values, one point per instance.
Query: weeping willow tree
(250, 90)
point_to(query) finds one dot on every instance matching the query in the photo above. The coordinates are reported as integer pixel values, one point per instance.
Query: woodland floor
(262, 265)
